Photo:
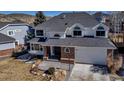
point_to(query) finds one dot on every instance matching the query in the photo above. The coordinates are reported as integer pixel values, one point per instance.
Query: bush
(17, 54)
(50, 71)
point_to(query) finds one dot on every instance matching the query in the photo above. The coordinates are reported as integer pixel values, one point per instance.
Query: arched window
(77, 31)
(67, 50)
(57, 35)
(100, 28)
(100, 31)
(77, 28)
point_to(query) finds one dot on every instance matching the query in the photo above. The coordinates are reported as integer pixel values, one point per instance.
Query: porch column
(51, 50)
(45, 56)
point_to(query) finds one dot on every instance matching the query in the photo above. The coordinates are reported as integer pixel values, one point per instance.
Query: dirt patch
(14, 70)
(11, 69)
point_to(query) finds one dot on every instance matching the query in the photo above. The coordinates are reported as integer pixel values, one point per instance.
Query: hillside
(18, 17)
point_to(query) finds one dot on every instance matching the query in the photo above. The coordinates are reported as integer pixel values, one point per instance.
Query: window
(36, 47)
(17, 43)
(56, 35)
(11, 33)
(100, 28)
(66, 50)
(41, 48)
(39, 32)
(77, 31)
(68, 36)
(100, 31)
(77, 28)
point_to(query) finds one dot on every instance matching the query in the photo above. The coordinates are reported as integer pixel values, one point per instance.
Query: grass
(13, 70)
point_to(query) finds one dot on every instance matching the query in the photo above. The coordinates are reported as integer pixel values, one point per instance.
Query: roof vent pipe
(63, 16)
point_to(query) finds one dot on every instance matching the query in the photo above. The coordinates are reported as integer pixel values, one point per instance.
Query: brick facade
(46, 52)
(7, 52)
(67, 57)
(64, 57)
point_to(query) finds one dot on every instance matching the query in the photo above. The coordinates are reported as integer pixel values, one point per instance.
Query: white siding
(91, 55)
(19, 32)
(7, 46)
(51, 34)
(35, 52)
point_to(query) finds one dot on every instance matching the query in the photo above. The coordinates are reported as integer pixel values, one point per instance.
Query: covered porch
(59, 53)
(36, 46)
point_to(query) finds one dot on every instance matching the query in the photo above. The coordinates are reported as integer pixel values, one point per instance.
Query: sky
(47, 13)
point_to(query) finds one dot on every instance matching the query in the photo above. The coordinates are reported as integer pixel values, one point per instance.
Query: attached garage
(86, 50)
(91, 55)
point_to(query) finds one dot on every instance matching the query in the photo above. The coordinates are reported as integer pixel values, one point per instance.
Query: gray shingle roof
(83, 42)
(57, 23)
(2, 24)
(37, 40)
(6, 39)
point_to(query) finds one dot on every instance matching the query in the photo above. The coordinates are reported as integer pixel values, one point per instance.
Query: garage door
(90, 55)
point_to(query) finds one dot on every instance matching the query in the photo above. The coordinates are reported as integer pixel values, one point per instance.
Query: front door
(57, 52)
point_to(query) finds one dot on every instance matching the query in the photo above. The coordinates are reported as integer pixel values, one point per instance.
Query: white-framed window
(77, 31)
(67, 50)
(11, 33)
(100, 31)
(56, 35)
(39, 33)
(36, 47)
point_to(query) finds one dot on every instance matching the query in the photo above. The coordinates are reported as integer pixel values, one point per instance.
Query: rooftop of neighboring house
(5, 39)
(2, 24)
(85, 42)
(64, 20)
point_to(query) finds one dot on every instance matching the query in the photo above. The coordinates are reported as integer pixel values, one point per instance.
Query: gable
(106, 28)
(61, 22)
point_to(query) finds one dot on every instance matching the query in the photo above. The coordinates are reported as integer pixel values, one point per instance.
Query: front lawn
(11, 69)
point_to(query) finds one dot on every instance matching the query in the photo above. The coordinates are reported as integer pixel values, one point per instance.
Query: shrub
(17, 54)
(50, 71)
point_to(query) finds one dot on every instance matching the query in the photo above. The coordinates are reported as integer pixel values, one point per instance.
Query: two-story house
(16, 30)
(71, 38)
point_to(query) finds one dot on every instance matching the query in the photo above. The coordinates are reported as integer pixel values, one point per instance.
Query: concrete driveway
(56, 64)
(88, 72)
(45, 65)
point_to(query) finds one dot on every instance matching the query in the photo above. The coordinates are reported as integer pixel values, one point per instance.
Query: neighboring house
(17, 30)
(71, 38)
(7, 45)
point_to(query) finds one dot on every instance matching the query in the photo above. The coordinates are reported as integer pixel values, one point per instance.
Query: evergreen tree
(40, 18)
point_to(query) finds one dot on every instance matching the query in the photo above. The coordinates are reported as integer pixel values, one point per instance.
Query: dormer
(101, 30)
(78, 30)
